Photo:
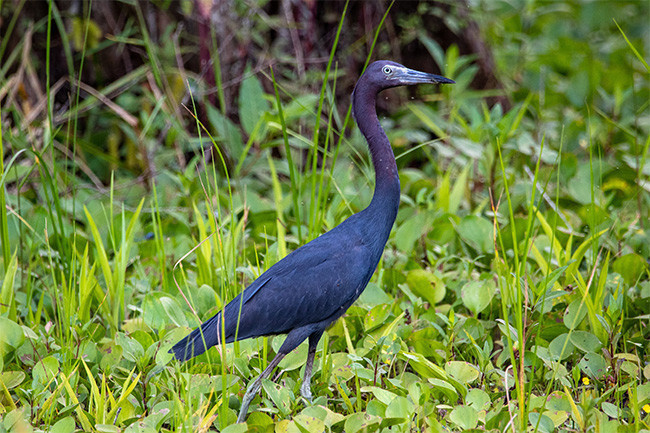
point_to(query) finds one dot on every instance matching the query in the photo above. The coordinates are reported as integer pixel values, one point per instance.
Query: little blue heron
(302, 294)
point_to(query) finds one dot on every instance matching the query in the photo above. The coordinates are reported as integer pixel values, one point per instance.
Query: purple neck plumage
(386, 195)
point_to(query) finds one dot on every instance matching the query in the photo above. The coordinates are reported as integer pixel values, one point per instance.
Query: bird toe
(306, 394)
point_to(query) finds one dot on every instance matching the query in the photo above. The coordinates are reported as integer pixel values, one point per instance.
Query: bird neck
(386, 195)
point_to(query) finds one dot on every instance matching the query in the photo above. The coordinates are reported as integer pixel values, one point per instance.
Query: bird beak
(410, 76)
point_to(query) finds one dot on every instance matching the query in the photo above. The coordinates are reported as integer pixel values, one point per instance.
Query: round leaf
(376, 316)
(11, 335)
(462, 371)
(477, 295)
(12, 379)
(541, 422)
(360, 421)
(575, 314)
(593, 365)
(630, 267)
(611, 410)
(465, 417)
(400, 407)
(426, 285)
(561, 347)
(585, 341)
(309, 424)
(65, 425)
(477, 232)
(478, 399)
(46, 369)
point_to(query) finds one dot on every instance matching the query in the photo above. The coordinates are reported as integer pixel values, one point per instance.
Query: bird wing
(317, 281)
(315, 284)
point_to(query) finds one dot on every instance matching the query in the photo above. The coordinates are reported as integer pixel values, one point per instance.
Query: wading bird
(304, 293)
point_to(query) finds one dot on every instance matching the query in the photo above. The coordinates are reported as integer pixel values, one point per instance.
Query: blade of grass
(279, 210)
(319, 111)
(634, 50)
(9, 29)
(4, 221)
(348, 114)
(295, 187)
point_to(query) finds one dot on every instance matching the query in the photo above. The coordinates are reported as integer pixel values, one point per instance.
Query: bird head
(384, 74)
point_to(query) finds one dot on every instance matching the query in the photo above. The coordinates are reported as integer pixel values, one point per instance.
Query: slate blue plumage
(310, 288)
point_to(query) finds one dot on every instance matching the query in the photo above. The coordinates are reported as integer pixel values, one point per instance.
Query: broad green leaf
(541, 423)
(374, 295)
(411, 230)
(252, 104)
(465, 417)
(643, 393)
(426, 285)
(361, 421)
(477, 295)
(46, 369)
(631, 267)
(11, 379)
(377, 408)
(140, 427)
(259, 420)
(376, 317)
(580, 185)
(106, 428)
(611, 410)
(285, 426)
(280, 395)
(558, 417)
(236, 428)
(575, 314)
(226, 132)
(561, 347)
(11, 336)
(462, 371)
(586, 341)
(7, 303)
(593, 365)
(445, 388)
(295, 359)
(159, 310)
(131, 349)
(309, 424)
(478, 399)
(400, 407)
(324, 414)
(111, 354)
(65, 425)
(380, 394)
(477, 232)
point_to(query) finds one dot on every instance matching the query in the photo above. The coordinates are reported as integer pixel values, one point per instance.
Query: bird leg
(305, 388)
(255, 386)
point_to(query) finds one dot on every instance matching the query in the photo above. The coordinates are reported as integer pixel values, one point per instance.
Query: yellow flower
(646, 408)
(585, 380)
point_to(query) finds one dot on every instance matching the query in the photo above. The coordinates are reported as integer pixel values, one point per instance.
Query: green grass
(513, 294)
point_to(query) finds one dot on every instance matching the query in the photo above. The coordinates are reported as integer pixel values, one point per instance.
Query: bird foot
(306, 394)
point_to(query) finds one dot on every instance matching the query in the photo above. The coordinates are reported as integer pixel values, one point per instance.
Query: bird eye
(387, 70)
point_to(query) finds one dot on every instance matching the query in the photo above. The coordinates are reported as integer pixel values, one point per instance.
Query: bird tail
(199, 340)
